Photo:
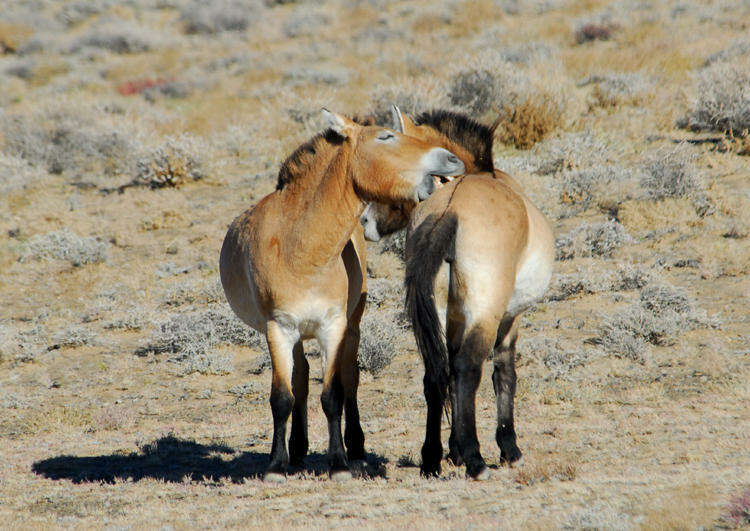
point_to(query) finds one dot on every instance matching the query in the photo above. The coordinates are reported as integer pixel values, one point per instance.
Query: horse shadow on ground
(174, 460)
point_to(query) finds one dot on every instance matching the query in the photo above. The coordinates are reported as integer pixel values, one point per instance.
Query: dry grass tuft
(528, 122)
(541, 471)
(594, 31)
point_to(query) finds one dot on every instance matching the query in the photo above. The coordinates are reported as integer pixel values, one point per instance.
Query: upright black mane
(475, 137)
(302, 156)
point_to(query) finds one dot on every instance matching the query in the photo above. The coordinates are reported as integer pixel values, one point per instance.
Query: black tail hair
(427, 248)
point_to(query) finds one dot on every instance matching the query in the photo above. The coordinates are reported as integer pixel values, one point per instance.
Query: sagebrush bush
(63, 140)
(738, 48)
(22, 345)
(671, 173)
(305, 21)
(412, 101)
(594, 278)
(616, 88)
(65, 245)
(571, 151)
(473, 90)
(377, 346)
(73, 336)
(722, 102)
(123, 38)
(595, 239)
(579, 189)
(192, 338)
(17, 173)
(661, 314)
(219, 16)
(527, 52)
(174, 163)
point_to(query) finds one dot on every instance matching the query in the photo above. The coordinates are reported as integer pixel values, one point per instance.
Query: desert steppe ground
(132, 132)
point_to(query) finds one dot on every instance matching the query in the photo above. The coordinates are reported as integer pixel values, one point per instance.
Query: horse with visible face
(293, 268)
(485, 252)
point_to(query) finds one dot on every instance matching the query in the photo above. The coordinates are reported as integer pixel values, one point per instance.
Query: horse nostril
(452, 158)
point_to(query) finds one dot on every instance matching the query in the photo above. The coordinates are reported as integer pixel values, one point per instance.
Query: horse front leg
(349, 370)
(298, 441)
(280, 345)
(332, 397)
(504, 382)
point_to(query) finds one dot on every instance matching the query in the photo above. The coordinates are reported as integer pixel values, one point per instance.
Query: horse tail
(431, 244)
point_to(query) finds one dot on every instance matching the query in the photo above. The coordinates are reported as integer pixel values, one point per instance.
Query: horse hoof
(341, 476)
(484, 475)
(517, 463)
(274, 477)
(358, 468)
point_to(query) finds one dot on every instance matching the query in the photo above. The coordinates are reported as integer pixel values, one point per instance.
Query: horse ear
(339, 123)
(401, 122)
(398, 119)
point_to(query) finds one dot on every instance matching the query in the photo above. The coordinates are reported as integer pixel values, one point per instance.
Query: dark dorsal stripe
(476, 138)
(295, 164)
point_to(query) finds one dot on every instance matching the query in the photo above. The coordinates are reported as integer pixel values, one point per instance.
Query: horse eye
(385, 135)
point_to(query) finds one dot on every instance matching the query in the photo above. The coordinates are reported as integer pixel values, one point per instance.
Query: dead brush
(528, 122)
(169, 165)
(542, 471)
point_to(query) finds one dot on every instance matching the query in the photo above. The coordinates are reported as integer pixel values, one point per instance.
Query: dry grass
(198, 104)
(528, 122)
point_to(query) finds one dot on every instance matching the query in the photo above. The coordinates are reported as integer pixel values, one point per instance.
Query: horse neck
(328, 212)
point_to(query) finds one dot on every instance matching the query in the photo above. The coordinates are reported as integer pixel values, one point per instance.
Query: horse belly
(532, 280)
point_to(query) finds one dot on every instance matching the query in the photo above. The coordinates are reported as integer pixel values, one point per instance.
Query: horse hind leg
(298, 441)
(280, 346)
(467, 367)
(454, 332)
(354, 437)
(504, 382)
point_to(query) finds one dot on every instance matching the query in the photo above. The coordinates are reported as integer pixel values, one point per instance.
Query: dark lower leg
(353, 434)
(432, 449)
(453, 334)
(504, 382)
(298, 441)
(468, 370)
(454, 455)
(281, 407)
(332, 400)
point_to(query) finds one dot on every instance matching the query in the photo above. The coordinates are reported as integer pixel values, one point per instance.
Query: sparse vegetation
(377, 346)
(613, 89)
(473, 90)
(663, 312)
(174, 163)
(595, 239)
(118, 38)
(63, 140)
(219, 16)
(722, 102)
(65, 245)
(624, 368)
(192, 338)
(671, 173)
